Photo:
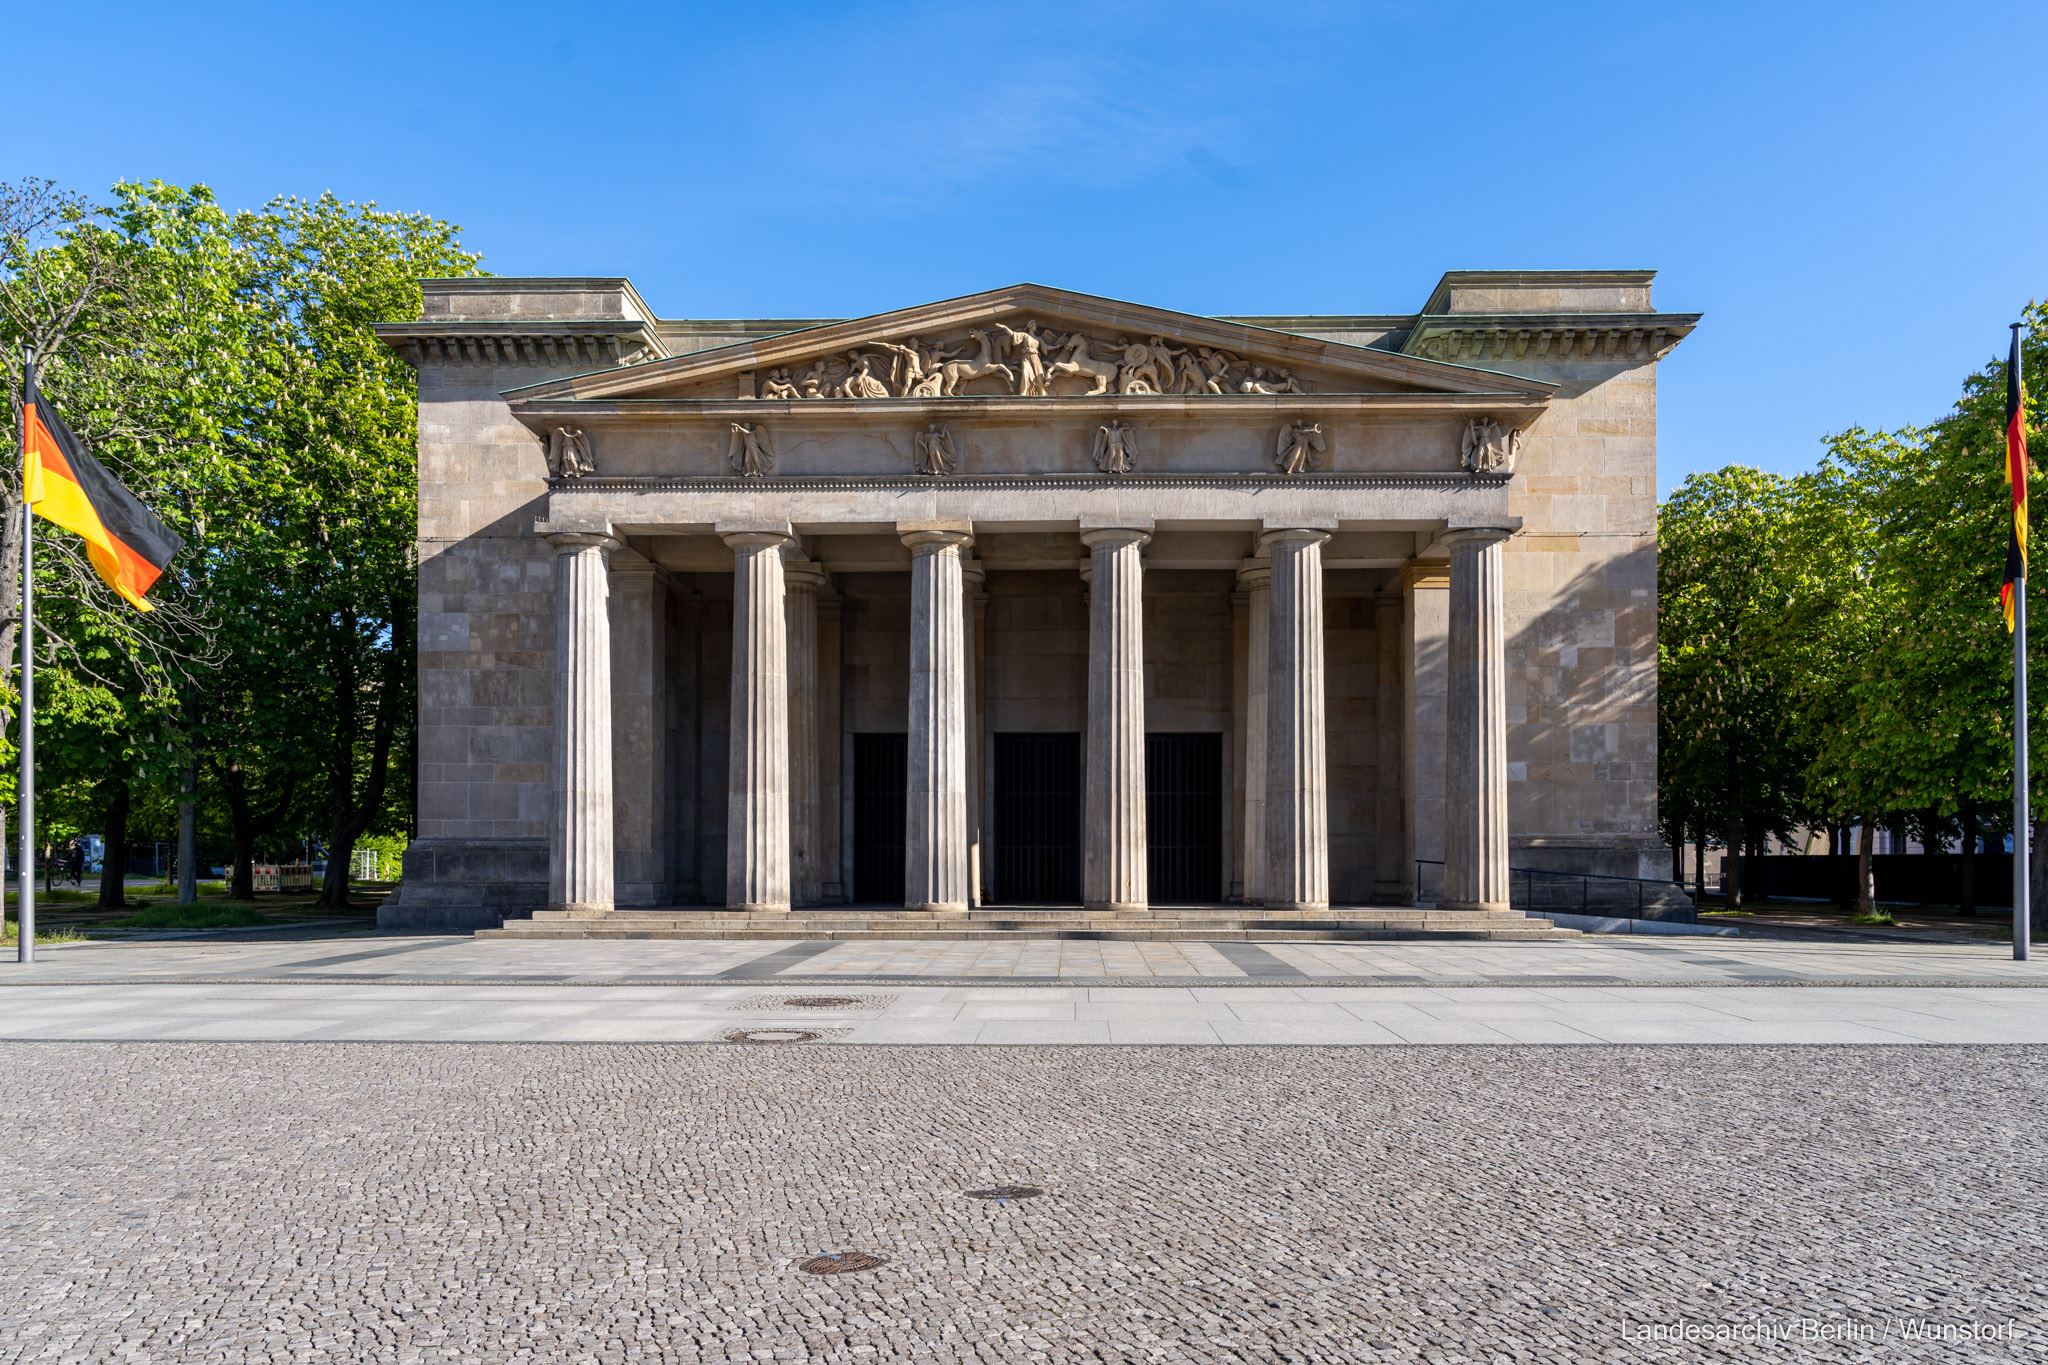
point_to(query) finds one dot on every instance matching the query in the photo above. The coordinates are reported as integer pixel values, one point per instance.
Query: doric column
(1255, 579)
(757, 800)
(1113, 866)
(1476, 739)
(831, 766)
(802, 581)
(580, 835)
(639, 630)
(1297, 787)
(1390, 872)
(976, 582)
(935, 825)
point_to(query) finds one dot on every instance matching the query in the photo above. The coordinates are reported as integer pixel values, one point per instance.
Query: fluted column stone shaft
(580, 836)
(1256, 579)
(801, 583)
(1114, 848)
(757, 872)
(1297, 786)
(935, 824)
(1476, 742)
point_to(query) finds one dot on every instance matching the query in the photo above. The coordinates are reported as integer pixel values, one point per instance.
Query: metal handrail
(1585, 880)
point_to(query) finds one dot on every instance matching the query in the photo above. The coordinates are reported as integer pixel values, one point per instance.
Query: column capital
(1425, 573)
(1116, 536)
(1254, 574)
(1484, 530)
(754, 540)
(1290, 535)
(568, 542)
(929, 537)
(803, 575)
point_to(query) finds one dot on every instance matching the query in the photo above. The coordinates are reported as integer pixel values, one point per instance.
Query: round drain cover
(1001, 1193)
(772, 1035)
(839, 1263)
(823, 1002)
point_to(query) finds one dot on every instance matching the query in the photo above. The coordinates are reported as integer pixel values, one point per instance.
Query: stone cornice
(684, 483)
(1475, 338)
(1516, 410)
(603, 343)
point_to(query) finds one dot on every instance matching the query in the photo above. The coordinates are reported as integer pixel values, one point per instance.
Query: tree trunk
(1969, 889)
(1699, 864)
(248, 825)
(350, 811)
(1731, 864)
(1678, 852)
(114, 867)
(1866, 892)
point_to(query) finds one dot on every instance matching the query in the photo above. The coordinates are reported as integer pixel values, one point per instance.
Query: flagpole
(2022, 934)
(25, 896)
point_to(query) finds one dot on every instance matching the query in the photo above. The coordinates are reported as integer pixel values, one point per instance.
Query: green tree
(1731, 756)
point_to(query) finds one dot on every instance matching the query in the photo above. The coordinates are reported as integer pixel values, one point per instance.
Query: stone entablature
(1313, 541)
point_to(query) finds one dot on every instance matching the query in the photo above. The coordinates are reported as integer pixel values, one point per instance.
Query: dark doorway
(1038, 819)
(881, 764)
(1184, 818)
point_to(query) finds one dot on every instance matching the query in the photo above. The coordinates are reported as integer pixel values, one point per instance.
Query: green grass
(58, 897)
(1881, 917)
(191, 917)
(171, 889)
(13, 935)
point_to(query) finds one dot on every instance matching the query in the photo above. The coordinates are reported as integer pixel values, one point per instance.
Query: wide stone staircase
(1213, 923)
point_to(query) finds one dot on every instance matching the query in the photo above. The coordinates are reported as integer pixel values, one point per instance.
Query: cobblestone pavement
(343, 1202)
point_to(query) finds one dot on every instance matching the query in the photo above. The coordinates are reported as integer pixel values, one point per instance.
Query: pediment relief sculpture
(1115, 448)
(937, 455)
(1033, 360)
(1488, 447)
(1299, 448)
(569, 454)
(748, 454)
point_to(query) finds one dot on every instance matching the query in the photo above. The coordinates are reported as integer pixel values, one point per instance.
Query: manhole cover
(839, 1263)
(1004, 1193)
(772, 1035)
(825, 1002)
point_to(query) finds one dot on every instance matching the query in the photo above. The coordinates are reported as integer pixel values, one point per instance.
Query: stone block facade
(1515, 413)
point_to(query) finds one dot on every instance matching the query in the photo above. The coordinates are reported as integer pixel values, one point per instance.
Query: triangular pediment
(1027, 341)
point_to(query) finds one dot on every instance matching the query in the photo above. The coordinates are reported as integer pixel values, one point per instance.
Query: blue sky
(1850, 193)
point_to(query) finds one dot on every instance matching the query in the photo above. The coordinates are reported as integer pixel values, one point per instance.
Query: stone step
(1492, 928)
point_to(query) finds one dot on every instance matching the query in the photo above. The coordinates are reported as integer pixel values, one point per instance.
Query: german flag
(2015, 477)
(63, 483)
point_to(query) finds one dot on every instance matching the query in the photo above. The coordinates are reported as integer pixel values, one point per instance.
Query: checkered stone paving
(243, 1202)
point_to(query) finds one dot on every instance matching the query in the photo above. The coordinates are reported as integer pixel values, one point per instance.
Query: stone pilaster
(1476, 737)
(802, 581)
(1113, 876)
(935, 827)
(1255, 580)
(580, 829)
(1425, 624)
(1297, 787)
(1390, 874)
(757, 804)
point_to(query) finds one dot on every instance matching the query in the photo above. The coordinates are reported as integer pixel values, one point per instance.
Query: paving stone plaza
(278, 1202)
(277, 1148)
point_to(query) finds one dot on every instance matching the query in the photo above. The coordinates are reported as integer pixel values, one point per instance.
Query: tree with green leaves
(1721, 684)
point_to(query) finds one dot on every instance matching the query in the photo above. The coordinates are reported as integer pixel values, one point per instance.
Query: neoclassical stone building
(1032, 597)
